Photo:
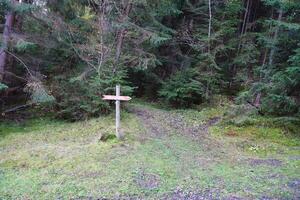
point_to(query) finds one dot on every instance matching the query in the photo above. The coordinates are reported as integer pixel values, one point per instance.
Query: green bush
(279, 104)
(272, 102)
(79, 99)
(183, 89)
(279, 93)
(147, 82)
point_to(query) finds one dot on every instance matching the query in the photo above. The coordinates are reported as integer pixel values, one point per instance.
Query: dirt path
(161, 124)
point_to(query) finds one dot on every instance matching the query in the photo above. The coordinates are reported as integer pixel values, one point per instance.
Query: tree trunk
(273, 49)
(263, 64)
(9, 21)
(121, 34)
(242, 31)
(209, 24)
(257, 100)
(243, 26)
(103, 31)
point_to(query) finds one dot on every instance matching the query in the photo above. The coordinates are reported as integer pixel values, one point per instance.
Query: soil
(148, 181)
(159, 123)
(269, 162)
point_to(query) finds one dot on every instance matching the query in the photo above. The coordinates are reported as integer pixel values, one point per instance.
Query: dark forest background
(61, 56)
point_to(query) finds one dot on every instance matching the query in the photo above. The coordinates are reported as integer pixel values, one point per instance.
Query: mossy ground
(46, 159)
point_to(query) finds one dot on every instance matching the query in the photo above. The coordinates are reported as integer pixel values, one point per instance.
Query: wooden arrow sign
(116, 98)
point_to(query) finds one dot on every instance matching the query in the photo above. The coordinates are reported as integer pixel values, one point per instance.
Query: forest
(215, 109)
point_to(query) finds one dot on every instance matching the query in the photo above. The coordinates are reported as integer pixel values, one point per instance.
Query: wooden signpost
(118, 98)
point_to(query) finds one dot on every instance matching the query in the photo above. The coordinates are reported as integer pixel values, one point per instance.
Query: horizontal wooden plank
(116, 98)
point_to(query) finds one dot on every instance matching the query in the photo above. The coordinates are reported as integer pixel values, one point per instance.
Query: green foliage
(3, 86)
(38, 93)
(24, 46)
(76, 100)
(293, 71)
(279, 104)
(165, 7)
(279, 96)
(183, 89)
(273, 101)
(23, 8)
(4, 5)
(79, 99)
(157, 40)
(148, 83)
(248, 51)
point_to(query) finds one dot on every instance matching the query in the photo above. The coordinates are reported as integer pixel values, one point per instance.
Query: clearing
(167, 154)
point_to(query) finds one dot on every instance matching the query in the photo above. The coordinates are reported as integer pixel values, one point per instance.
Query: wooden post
(118, 92)
(118, 98)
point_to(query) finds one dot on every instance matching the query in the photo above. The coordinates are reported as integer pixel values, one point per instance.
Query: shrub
(183, 89)
(147, 82)
(81, 99)
(279, 91)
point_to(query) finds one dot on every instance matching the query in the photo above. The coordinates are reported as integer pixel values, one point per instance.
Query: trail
(162, 125)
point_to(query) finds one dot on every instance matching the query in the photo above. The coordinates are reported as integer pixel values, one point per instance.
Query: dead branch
(16, 108)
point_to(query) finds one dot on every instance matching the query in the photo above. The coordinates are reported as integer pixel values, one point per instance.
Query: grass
(46, 159)
(258, 140)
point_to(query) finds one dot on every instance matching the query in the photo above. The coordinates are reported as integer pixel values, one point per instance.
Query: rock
(103, 137)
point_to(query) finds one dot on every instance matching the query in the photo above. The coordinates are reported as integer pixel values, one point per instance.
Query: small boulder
(103, 137)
